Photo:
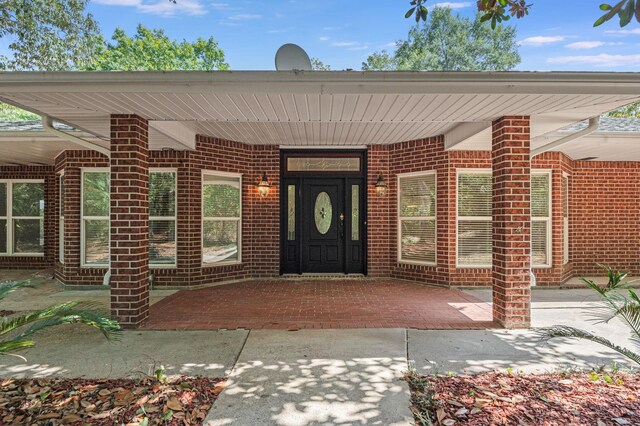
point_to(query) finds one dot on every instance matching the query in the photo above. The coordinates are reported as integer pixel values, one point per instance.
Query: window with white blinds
(221, 217)
(417, 218)
(94, 226)
(540, 218)
(61, 218)
(22, 217)
(565, 218)
(474, 209)
(162, 218)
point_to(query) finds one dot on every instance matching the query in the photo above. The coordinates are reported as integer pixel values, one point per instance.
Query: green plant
(615, 304)
(161, 374)
(22, 326)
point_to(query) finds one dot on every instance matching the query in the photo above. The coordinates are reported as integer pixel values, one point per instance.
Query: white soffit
(313, 109)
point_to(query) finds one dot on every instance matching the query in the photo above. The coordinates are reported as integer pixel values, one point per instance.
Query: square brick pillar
(511, 165)
(129, 220)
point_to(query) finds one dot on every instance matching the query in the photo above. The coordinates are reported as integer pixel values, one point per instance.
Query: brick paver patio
(334, 303)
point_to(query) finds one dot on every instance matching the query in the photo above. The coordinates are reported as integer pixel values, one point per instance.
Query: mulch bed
(176, 401)
(512, 399)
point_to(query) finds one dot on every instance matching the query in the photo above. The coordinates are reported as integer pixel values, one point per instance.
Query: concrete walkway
(313, 377)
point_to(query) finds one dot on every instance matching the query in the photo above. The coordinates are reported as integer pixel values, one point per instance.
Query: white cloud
(245, 17)
(452, 4)
(602, 60)
(623, 32)
(541, 40)
(280, 30)
(220, 6)
(324, 38)
(160, 7)
(590, 44)
(344, 43)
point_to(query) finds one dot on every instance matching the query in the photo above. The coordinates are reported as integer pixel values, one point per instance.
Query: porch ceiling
(318, 108)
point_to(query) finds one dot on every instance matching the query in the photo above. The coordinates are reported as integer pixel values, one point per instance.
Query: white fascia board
(463, 132)
(177, 131)
(334, 82)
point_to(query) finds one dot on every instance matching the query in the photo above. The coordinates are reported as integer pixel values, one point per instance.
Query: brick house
(188, 178)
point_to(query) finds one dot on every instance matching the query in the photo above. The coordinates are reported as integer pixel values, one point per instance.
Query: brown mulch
(510, 399)
(176, 401)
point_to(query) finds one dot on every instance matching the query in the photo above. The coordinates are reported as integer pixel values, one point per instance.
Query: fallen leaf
(441, 415)
(70, 418)
(565, 381)
(448, 422)
(174, 404)
(621, 421)
(461, 412)
(454, 402)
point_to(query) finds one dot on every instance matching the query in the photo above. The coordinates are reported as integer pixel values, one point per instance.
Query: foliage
(498, 11)
(152, 49)
(448, 42)
(23, 326)
(625, 9)
(48, 35)
(318, 65)
(495, 11)
(628, 111)
(615, 304)
(11, 113)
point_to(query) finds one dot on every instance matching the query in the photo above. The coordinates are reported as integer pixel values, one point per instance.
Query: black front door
(323, 216)
(322, 213)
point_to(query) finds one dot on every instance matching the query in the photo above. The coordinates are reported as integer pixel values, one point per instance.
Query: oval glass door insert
(323, 212)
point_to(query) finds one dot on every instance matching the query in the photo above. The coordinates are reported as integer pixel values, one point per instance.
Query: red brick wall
(50, 221)
(72, 162)
(129, 221)
(604, 216)
(379, 238)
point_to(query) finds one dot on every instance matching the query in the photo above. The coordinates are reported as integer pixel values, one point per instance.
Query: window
(565, 218)
(540, 218)
(162, 217)
(221, 217)
(61, 218)
(22, 217)
(417, 218)
(95, 217)
(475, 218)
(94, 227)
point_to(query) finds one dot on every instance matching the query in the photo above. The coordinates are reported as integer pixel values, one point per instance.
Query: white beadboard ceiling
(316, 108)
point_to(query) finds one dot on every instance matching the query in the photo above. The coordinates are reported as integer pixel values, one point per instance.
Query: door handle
(341, 217)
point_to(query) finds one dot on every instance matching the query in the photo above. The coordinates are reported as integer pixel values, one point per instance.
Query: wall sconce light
(381, 186)
(264, 186)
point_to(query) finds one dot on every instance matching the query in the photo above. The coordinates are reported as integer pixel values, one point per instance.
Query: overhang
(319, 108)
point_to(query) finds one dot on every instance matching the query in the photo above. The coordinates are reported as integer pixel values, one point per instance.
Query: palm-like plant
(615, 304)
(22, 326)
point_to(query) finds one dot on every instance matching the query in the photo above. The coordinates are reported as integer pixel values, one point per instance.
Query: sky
(556, 36)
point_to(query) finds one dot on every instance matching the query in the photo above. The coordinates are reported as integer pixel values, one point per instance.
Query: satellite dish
(292, 57)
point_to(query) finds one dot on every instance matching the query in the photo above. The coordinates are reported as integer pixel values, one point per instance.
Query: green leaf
(409, 12)
(605, 7)
(594, 376)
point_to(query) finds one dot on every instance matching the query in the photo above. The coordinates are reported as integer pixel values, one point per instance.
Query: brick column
(129, 220)
(511, 221)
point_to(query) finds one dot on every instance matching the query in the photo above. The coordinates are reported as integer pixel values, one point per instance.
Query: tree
(16, 330)
(48, 35)
(447, 42)
(614, 304)
(498, 11)
(152, 49)
(318, 65)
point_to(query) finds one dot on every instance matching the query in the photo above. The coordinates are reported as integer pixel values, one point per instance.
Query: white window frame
(84, 218)
(9, 217)
(60, 218)
(547, 219)
(565, 218)
(469, 171)
(399, 259)
(173, 218)
(203, 219)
